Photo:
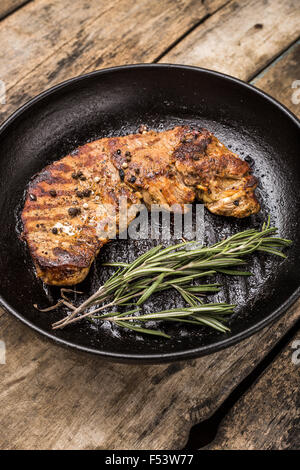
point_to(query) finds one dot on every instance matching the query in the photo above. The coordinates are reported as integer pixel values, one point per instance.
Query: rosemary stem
(80, 308)
(175, 267)
(68, 320)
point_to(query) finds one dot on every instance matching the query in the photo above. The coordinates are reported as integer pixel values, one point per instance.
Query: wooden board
(70, 40)
(65, 399)
(7, 6)
(242, 38)
(267, 416)
(54, 398)
(279, 79)
(47, 42)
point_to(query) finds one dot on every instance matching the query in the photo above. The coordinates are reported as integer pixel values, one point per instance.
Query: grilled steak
(63, 210)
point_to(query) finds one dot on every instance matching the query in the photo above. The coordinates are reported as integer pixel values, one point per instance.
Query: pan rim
(157, 357)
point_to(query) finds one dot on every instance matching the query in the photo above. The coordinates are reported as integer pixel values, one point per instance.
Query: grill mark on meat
(42, 218)
(170, 167)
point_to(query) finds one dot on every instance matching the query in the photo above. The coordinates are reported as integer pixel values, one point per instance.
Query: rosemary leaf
(175, 267)
(150, 289)
(139, 329)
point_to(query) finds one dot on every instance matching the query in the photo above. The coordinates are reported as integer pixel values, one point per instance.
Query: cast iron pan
(115, 102)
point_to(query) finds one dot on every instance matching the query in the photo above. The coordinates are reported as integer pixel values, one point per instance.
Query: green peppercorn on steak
(65, 224)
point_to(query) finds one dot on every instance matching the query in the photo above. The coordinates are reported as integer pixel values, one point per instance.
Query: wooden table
(51, 398)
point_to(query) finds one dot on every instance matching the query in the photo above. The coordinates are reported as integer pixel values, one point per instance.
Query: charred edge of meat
(170, 167)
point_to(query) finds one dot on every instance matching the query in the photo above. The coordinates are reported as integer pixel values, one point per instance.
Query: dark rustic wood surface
(47, 42)
(277, 79)
(52, 398)
(267, 416)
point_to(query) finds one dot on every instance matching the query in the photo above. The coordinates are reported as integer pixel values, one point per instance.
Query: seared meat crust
(62, 215)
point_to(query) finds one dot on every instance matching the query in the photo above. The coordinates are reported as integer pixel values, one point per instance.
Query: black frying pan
(114, 102)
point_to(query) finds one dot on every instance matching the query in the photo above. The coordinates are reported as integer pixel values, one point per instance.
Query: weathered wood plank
(77, 401)
(53, 398)
(242, 38)
(279, 77)
(7, 6)
(267, 416)
(49, 41)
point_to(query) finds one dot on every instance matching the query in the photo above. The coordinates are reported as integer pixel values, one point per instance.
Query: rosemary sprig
(176, 267)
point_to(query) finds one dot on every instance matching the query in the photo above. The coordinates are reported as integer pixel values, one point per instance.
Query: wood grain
(52, 398)
(49, 41)
(242, 38)
(7, 6)
(267, 416)
(278, 78)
